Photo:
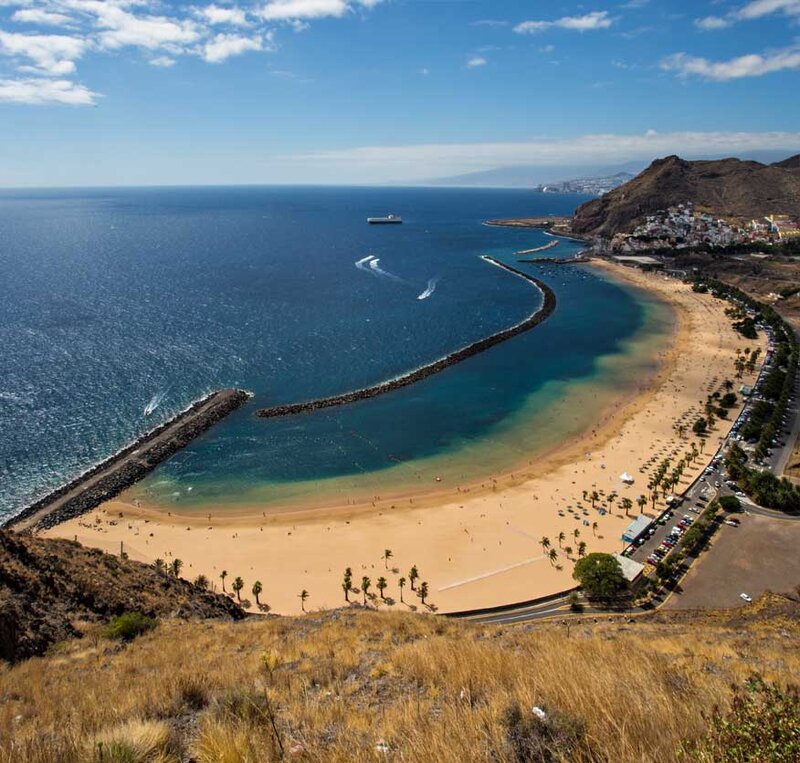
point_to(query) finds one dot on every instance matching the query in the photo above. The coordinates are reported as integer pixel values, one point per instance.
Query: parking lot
(759, 555)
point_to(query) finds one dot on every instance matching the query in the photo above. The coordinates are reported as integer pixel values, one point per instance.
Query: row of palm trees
(382, 584)
(551, 552)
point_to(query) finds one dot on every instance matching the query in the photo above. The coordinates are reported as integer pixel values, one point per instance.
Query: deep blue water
(111, 297)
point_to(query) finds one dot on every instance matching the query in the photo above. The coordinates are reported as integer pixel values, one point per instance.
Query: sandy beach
(475, 546)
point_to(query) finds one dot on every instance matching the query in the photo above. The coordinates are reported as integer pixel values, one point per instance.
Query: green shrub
(130, 625)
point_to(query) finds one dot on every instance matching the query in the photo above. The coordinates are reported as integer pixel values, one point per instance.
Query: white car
(744, 596)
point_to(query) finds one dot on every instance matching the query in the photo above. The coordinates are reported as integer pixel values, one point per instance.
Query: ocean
(114, 301)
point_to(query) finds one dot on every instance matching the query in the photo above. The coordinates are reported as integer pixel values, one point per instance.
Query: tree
(238, 584)
(175, 567)
(201, 582)
(544, 543)
(642, 501)
(553, 555)
(581, 550)
(222, 576)
(303, 597)
(159, 566)
(595, 496)
(627, 505)
(347, 583)
(562, 538)
(413, 574)
(365, 584)
(387, 555)
(594, 528)
(381, 585)
(700, 426)
(257, 588)
(402, 584)
(568, 550)
(576, 533)
(423, 591)
(600, 576)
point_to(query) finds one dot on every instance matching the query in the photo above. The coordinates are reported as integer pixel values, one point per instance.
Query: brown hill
(47, 587)
(728, 187)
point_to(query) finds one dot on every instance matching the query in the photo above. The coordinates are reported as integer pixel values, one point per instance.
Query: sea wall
(534, 319)
(131, 464)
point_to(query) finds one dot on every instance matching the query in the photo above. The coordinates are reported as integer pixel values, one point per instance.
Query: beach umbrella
(625, 477)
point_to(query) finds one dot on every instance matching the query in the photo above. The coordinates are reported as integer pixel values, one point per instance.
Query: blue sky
(96, 92)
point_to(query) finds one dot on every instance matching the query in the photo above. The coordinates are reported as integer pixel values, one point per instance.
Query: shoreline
(477, 547)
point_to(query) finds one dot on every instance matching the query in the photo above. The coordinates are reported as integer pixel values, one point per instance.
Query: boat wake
(430, 288)
(155, 401)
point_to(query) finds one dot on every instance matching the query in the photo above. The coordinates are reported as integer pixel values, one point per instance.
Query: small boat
(388, 220)
(152, 405)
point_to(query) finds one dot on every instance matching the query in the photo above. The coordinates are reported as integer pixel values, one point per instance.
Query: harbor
(131, 464)
(534, 319)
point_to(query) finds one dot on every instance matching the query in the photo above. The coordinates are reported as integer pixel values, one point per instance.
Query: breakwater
(550, 245)
(129, 465)
(576, 260)
(534, 319)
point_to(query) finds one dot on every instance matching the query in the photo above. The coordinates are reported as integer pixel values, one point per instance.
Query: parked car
(747, 598)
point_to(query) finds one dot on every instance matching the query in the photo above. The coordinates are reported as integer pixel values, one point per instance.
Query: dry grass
(361, 686)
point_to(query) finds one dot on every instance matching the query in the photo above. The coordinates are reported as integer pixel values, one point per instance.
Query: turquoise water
(113, 300)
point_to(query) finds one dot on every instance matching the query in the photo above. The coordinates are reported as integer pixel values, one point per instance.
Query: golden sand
(479, 546)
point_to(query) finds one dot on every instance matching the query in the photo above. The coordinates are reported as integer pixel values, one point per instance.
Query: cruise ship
(389, 219)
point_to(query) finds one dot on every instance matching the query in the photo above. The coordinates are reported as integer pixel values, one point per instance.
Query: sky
(151, 92)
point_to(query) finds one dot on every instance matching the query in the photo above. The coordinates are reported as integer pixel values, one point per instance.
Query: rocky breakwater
(131, 464)
(546, 309)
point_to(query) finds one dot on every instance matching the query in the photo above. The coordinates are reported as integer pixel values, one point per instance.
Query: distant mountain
(531, 176)
(726, 187)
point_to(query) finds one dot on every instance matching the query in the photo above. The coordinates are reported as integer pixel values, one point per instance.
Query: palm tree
(347, 584)
(201, 582)
(642, 501)
(365, 584)
(158, 564)
(381, 585)
(257, 590)
(387, 555)
(238, 584)
(413, 574)
(585, 495)
(175, 567)
(627, 505)
(303, 597)
(553, 555)
(576, 533)
(728, 384)
(568, 550)
(423, 591)
(594, 528)
(595, 496)
(581, 550)
(545, 543)
(561, 538)
(402, 584)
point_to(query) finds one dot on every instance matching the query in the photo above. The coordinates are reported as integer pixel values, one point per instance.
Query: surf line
(418, 374)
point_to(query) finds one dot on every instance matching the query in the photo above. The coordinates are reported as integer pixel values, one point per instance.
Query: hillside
(51, 590)
(354, 685)
(728, 187)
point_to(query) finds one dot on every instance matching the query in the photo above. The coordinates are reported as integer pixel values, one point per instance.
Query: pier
(131, 464)
(544, 248)
(534, 319)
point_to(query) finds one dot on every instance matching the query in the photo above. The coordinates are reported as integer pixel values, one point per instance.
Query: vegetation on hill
(729, 187)
(354, 685)
(51, 590)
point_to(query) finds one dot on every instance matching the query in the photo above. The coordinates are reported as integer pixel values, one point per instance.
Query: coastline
(477, 546)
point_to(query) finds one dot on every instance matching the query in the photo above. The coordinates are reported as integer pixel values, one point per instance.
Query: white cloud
(163, 62)
(476, 61)
(588, 22)
(50, 53)
(710, 23)
(223, 46)
(214, 14)
(43, 91)
(751, 65)
(41, 17)
(410, 163)
(292, 10)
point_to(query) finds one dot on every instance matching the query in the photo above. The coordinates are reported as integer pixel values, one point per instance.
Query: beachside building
(636, 528)
(632, 571)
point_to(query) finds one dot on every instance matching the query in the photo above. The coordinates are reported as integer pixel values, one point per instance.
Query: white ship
(388, 220)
